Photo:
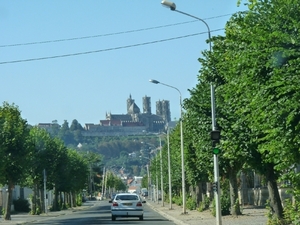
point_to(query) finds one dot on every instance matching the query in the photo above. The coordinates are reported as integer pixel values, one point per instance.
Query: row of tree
(28, 151)
(115, 150)
(254, 68)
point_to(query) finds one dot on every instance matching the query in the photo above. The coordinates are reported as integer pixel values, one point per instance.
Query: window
(127, 197)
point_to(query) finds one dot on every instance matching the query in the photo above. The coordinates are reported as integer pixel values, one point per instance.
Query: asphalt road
(100, 214)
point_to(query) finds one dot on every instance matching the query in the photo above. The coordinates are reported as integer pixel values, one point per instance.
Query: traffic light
(215, 137)
(215, 186)
(216, 150)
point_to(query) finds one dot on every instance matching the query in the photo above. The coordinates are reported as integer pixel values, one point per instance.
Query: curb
(171, 218)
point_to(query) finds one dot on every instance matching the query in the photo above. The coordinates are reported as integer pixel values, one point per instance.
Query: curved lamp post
(161, 174)
(172, 6)
(181, 144)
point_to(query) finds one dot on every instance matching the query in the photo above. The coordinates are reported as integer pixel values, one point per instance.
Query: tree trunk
(234, 196)
(33, 200)
(7, 215)
(74, 199)
(275, 201)
(60, 200)
(71, 199)
(198, 193)
(43, 210)
(1, 199)
(67, 199)
(38, 201)
(55, 205)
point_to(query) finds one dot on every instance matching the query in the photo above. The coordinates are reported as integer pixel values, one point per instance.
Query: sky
(66, 60)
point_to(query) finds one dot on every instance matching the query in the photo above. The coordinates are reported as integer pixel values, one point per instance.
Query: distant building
(134, 122)
(50, 127)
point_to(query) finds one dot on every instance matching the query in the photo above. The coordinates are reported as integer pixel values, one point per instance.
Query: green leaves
(14, 148)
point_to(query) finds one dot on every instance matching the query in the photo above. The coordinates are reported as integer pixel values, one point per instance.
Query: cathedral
(134, 122)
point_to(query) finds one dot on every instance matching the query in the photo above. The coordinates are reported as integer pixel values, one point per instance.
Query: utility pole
(103, 179)
(161, 174)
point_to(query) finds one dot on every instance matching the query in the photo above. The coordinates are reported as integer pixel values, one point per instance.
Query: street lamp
(172, 6)
(169, 168)
(181, 140)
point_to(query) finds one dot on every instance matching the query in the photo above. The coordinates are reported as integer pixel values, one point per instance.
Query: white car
(127, 205)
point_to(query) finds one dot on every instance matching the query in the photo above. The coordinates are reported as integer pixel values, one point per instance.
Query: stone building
(134, 122)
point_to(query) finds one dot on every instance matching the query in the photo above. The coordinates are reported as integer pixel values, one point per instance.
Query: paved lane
(100, 214)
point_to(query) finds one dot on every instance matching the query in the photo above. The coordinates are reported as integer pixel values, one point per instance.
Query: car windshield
(127, 197)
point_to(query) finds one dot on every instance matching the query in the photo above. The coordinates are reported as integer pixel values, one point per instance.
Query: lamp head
(154, 81)
(169, 4)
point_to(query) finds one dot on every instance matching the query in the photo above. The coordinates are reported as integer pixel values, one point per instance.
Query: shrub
(79, 200)
(191, 204)
(291, 212)
(291, 215)
(177, 200)
(225, 205)
(204, 204)
(21, 205)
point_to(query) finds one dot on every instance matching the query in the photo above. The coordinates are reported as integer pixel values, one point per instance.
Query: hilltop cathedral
(134, 122)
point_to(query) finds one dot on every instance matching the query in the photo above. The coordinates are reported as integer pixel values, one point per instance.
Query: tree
(75, 126)
(65, 134)
(76, 129)
(38, 163)
(255, 71)
(14, 146)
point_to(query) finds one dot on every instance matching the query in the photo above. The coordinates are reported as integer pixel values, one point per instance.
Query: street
(100, 214)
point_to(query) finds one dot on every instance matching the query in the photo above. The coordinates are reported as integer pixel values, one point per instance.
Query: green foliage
(21, 205)
(204, 205)
(38, 211)
(79, 199)
(177, 199)
(276, 221)
(291, 212)
(14, 149)
(145, 182)
(191, 203)
(13, 144)
(273, 218)
(65, 206)
(213, 210)
(225, 204)
(115, 182)
(254, 69)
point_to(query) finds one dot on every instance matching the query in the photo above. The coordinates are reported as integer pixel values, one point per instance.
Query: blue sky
(126, 45)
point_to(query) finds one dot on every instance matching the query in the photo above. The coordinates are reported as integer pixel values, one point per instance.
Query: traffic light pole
(215, 138)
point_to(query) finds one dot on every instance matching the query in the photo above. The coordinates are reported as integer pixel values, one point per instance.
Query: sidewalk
(251, 215)
(23, 218)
